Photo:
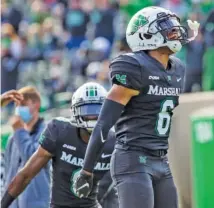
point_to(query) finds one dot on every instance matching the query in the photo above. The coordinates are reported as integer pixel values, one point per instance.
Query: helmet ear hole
(147, 36)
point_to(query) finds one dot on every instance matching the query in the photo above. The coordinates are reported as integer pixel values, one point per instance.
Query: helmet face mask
(86, 105)
(155, 27)
(168, 24)
(86, 114)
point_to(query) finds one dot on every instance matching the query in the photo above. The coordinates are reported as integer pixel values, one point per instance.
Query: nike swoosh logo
(179, 79)
(102, 139)
(83, 186)
(105, 156)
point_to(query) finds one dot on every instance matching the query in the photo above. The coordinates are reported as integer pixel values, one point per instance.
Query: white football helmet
(86, 105)
(155, 27)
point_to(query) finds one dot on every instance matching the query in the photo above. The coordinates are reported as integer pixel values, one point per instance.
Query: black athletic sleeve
(109, 115)
(126, 71)
(48, 137)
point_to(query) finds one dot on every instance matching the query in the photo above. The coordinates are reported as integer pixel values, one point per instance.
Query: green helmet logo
(136, 24)
(91, 91)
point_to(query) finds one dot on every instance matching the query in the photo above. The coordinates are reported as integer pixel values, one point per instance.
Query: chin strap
(193, 26)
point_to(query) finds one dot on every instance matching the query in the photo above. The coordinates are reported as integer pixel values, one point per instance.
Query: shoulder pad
(128, 58)
(59, 122)
(63, 123)
(62, 119)
(125, 70)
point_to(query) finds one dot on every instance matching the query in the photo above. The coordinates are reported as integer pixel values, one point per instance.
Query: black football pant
(142, 180)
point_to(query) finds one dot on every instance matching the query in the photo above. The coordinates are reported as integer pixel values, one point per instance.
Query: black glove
(7, 200)
(83, 184)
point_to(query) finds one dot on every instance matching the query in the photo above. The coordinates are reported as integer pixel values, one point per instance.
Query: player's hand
(9, 96)
(16, 122)
(83, 184)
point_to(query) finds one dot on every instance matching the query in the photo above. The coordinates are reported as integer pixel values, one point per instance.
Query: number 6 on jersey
(164, 117)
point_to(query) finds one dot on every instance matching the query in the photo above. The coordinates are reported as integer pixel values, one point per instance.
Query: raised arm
(126, 82)
(126, 78)
(37, 161)
(9, 96)
(112, 108)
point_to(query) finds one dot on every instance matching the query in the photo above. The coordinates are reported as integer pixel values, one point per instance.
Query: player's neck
(84, 135)
(163, 58)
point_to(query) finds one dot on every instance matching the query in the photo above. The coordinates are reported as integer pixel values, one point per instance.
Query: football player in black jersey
(146, 88)
(65, 141)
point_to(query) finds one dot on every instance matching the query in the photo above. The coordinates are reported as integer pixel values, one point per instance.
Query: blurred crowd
(57, 45)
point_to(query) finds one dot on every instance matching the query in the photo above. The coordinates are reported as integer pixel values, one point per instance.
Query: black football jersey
(147, 117)
(62, 140)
